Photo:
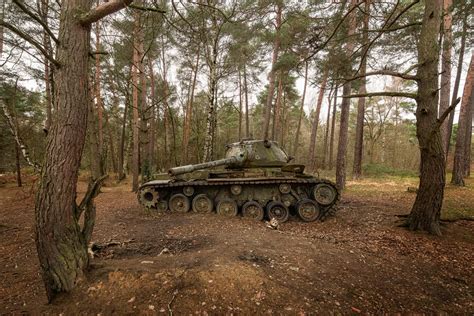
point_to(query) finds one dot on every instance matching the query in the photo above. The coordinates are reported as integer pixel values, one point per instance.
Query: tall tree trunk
(300, 117)
(60, 244)
(276, 114)
(315, 125)
(326, 133)
(210, 124)
(144, 113)
(136, 127)
(359, 138)
(94, 153)
(271, 76)
(463, 130)
(446, 70)
(344, 123)
(152, 127)
(99, 103)
(467, 146)
(449, 128)
(44, 11)
(189, 109)
(18, 165)
(240, 104)
(426, 210)
(121, 154)
(333, 129)
(247, 120)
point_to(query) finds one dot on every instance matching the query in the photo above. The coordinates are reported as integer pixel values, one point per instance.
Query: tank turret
(257, 181)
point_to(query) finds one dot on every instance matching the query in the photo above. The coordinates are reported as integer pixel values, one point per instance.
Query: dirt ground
(356, 262)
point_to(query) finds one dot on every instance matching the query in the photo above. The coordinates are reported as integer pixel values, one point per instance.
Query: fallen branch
(171, 302)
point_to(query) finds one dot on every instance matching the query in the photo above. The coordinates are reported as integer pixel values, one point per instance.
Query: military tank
(255, 180)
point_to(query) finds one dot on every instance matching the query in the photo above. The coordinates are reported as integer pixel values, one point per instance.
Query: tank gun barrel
(190, 168)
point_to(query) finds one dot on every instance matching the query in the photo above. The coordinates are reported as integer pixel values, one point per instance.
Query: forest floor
(359, 261)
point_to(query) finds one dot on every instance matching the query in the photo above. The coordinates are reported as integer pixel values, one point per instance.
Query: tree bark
(467, 146)
(300, 117)
(326, 133)
(247, 120)
(48, 68)
(344, 123)
(240, 104)
(135, 127)
(189, 109)
(276, 114)
(457, 81)
(121, 154)
(271, 76)
(359, 137)
(446, 70)
(426, 210)
(60, 244)
(152, 127)
(333, 129)
(18, 165)
(99, 103)
(315, 125)
(463, 129)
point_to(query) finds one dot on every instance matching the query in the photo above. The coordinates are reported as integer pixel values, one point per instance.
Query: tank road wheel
(325, 194)
(202, 204)
(227, 207)
(148, 197)
(308, 210)
(277, 210)
(253, 210)
(179, 203)
(162, 206)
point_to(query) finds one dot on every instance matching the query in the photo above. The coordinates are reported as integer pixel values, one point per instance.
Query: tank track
(325, 211)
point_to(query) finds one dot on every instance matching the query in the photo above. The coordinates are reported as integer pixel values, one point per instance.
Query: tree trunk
(276, 114)
(144, 113)
(326, 133)
(240, 104)
(300, 117)
(271, 75)
(152, 127)
(449, 128)
(48, 70)
(426, 210)
(463, 130)
(18, 165)
(94, 154)
(99, 103)
(121, 155)
(189, 110)
(314, 129)
(60, 244)
(359, 137)
(247, 121)
(136, 127)
(333, 129)
(344, 123)
(446, 70)
(467, 146)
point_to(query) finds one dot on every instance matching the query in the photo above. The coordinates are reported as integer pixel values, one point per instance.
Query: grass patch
(379, 171)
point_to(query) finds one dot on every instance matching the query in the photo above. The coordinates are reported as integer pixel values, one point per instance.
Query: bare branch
(103, 10)
(23, 8)
(143, 8)
(385, 73)
(446, 112)
(30, 40)
(384, 94)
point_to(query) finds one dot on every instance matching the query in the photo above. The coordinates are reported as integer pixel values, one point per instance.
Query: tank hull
(269, 197)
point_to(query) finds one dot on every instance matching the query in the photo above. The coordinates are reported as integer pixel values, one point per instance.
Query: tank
(255, 180)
